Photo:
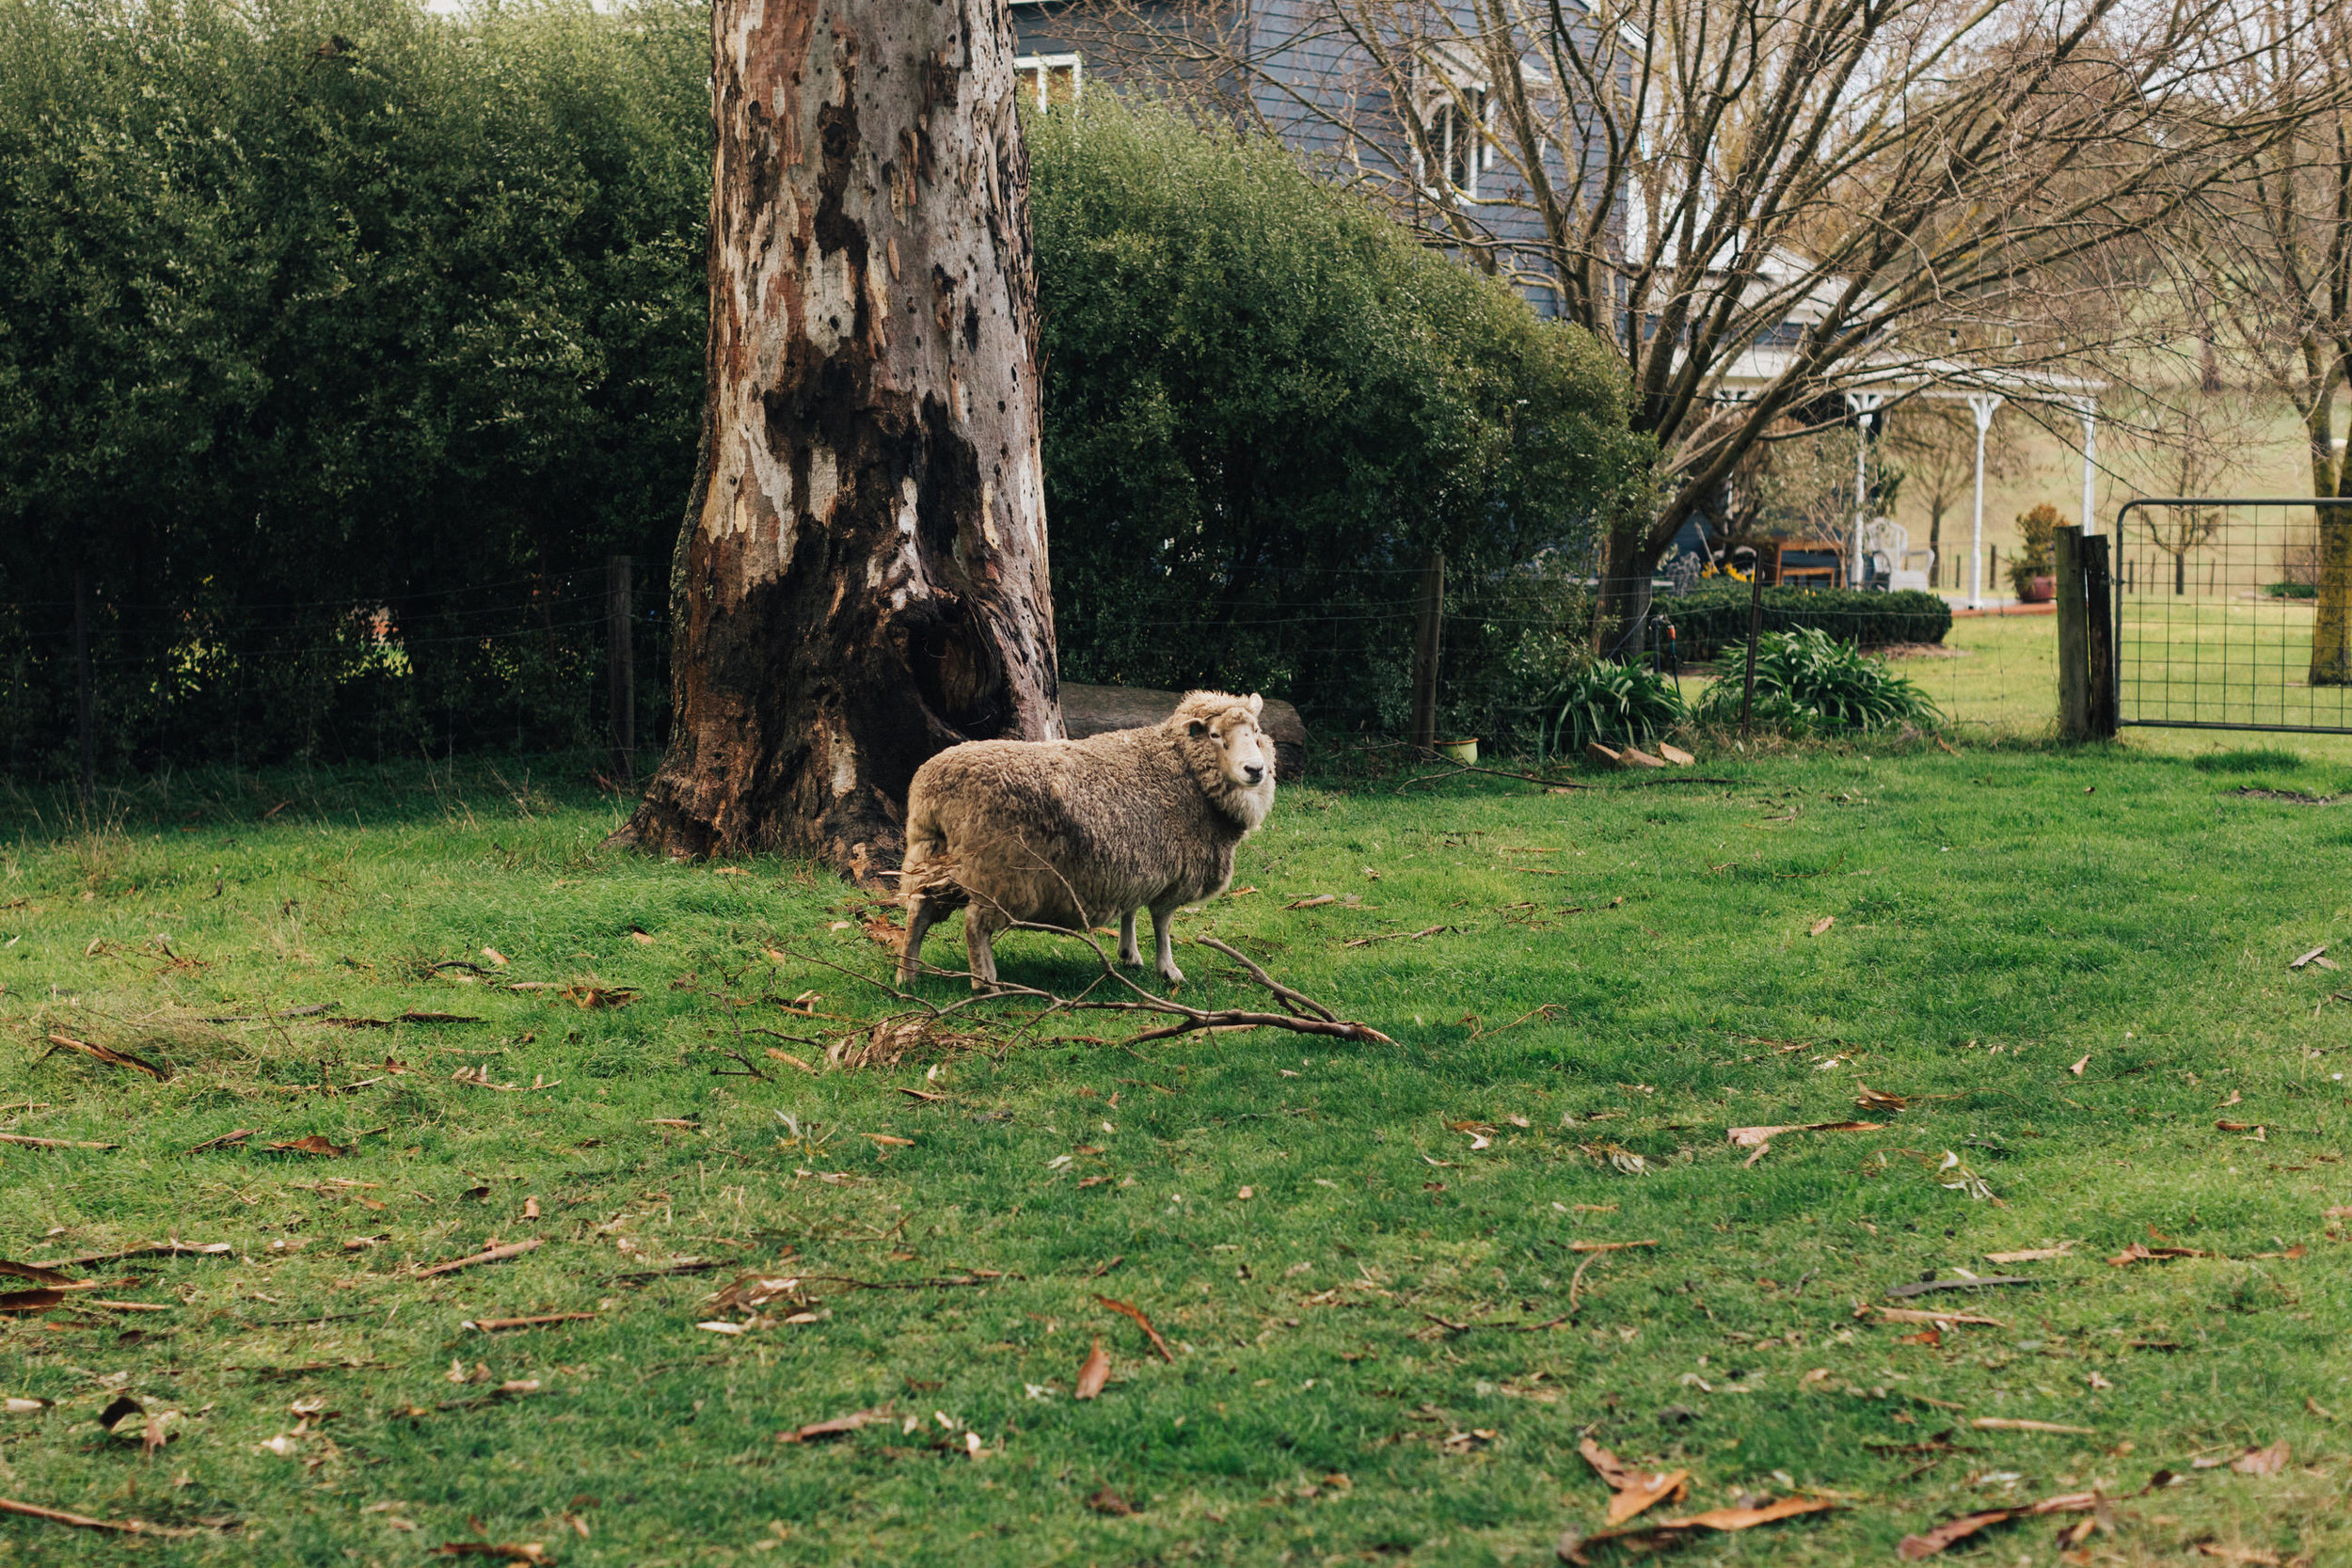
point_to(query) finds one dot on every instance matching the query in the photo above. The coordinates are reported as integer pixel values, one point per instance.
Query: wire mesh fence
(2221, 620)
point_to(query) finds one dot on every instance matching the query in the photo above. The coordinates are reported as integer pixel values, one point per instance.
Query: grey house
(1283, 64)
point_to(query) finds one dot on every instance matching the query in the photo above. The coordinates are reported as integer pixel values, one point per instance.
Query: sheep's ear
(1196, 729)
(1257, 704)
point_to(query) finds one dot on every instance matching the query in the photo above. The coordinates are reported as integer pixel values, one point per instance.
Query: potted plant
(2029, 568)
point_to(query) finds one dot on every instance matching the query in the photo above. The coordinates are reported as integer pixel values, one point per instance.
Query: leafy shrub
(1714, 615)
(1834, 684)
(1266, 403)
(2033, 558)
(2292, 590)
(1612, 703)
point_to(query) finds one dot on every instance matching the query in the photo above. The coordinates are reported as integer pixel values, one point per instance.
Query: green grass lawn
(2073, 968)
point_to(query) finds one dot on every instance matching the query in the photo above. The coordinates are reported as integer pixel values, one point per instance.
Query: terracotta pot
(2041, 590)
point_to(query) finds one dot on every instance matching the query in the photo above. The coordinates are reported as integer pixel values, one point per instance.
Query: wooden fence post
(1427, 639)
(82, 684)
(2074, 630)
(2102, 712)
(620, 664)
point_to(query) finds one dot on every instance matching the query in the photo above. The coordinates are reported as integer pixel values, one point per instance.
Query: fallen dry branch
(1127, 1310)
(1308, 1016)
(24, 1142)
(82, 1521)
(105, 1053)
(1660, 1532)
(174, 1248)
(1927, 1542)
(488, 1255)
(494, 1325)
(1394, 936)
(1970, 1282)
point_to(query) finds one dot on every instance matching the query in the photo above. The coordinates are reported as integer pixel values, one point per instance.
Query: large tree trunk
(862, 577)
(2331, 616)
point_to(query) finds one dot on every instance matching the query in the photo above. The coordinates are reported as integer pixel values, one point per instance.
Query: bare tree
(1783, 200)
(2278, 263)
(861, 580)
(2188, 443)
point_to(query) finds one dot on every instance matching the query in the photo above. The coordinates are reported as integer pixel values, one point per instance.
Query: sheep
(1064, 833)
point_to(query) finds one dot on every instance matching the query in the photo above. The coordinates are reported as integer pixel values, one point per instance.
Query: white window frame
(1439, 102)
(1042, 66)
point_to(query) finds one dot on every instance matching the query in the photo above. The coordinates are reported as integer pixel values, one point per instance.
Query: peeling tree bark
(861, 580)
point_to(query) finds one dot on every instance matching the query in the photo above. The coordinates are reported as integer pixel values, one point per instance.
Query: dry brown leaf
(2140, 1251)
(225, 1140)
(789, 1060)
(26, 1303)
(1823, 925)
(587, 995)
(887, 1141)
(2261, 1462)
(2031, 1254)
(1317, 902)
(530, 1208)
(495, 956)
(643, 938)
(1110, 1503)
(1751, 1137)
(1572, 1548)
(1127, 1310)
(1632, 1490)
(311, 1144)
(2238, 1554)
(1878, 1099)
(32, 1273)
(2309, 957)
(504, 1551)
(1095, 1373)
(2077, 1068)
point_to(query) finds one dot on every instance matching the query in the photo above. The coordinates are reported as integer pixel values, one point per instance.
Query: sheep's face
(1242, 753)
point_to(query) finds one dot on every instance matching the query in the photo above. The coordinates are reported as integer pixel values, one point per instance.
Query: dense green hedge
(322, 314)
(325, 317)
(1714, 614)
(1266, 405)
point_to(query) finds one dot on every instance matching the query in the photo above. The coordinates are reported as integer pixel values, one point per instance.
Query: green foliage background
(315, 308)
(1266, 405)
(325, 317)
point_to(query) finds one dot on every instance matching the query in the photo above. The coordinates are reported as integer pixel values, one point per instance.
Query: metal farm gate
(2216, 601)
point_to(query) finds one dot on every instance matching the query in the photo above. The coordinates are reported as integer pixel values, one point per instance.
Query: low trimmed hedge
(1714, 614)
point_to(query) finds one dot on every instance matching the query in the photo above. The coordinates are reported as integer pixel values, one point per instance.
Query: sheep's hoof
(1173, 975)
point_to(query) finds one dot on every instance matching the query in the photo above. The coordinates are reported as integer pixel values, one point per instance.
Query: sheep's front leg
(1164, 926)
(980, 956)
(921, 912)
(1128, 953)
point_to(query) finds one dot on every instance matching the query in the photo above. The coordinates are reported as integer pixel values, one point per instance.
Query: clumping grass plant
(1832, 685)
(1612, 704)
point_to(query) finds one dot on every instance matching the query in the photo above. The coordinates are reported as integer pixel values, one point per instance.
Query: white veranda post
(1865, 406)
(1981, 405)
(2089, 414)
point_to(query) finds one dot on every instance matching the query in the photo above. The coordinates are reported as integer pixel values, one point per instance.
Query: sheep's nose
(1255, 774)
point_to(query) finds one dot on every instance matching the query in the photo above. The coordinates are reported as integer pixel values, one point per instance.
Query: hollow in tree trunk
(861, 579)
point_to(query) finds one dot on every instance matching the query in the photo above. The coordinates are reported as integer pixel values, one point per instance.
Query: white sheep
(1066, 832)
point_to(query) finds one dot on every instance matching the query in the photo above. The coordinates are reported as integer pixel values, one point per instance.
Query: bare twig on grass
(1598, 1250)
(24, 1142)
(1492, 773)
(490, 1254)
(107, 1055)
(1393, 936)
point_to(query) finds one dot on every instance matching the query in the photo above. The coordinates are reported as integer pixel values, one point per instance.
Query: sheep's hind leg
(921, 913)
(1128, 953)
(1164, 928)
(980, 956)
